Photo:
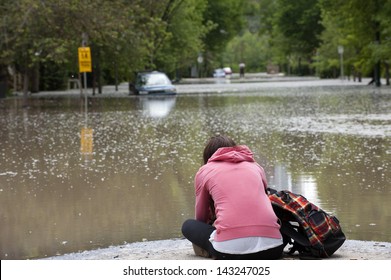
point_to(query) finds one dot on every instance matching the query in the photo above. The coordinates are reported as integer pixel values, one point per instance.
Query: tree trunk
(99, 80)
(377, 66)
(299, 67)
(34, 79)
(26, 83)
(377, 74)
(387, 65)
(93, 80)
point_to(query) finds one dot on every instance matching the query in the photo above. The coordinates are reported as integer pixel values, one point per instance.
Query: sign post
(85, 59)
(85, 65)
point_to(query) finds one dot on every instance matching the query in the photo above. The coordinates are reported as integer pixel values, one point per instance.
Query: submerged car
(222, 72)
(227, 71)
(218, 73)
(154, 82)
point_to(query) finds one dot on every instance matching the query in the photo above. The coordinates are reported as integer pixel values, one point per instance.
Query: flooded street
(134, 180)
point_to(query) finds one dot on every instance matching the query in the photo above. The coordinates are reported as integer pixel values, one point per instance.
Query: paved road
(210, 85)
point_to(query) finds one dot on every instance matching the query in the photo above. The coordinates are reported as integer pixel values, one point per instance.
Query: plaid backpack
(311, 231)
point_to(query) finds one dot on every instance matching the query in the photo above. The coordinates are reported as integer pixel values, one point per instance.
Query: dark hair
(215, 143)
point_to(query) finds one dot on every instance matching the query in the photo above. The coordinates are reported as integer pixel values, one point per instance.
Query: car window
(141, 80)
(153, 79)
(158, 79)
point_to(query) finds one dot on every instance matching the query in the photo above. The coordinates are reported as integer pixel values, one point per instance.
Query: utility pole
(84, 42)
(340, 51)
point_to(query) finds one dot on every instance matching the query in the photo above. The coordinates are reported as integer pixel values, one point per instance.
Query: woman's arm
(202, 210)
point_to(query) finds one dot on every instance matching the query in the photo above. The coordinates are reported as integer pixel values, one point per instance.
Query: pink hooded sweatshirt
(236, 184)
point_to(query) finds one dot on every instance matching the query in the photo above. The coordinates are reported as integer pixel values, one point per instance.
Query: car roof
(150, 72)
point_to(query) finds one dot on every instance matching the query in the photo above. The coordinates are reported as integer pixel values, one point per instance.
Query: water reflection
(304, 184)
(139, 183)
(307, 186)
(282, 178)
(222, 80)
(157, 106)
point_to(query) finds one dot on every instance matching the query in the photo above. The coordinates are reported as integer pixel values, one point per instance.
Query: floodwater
(131, 177)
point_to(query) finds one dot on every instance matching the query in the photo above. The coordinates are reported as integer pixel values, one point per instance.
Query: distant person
(234, 218)
(241, 69)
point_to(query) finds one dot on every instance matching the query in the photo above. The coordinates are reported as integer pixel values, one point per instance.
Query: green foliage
(126, 36)
(361, 27)
(226, 20)
(252, 49)
(253, 43)
(288, 34)
(185, 31)
(306, 33)
(298, 22)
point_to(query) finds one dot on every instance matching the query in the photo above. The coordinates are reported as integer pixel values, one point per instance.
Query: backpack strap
(289, 230)
(291, 236)
(270, 191)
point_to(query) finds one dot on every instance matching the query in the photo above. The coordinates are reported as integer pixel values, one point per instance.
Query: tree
(385, 47)
(50, 31)
(251, 48)
(296, 29)
(178, 44)
(362, 27)
(252, 45)
(226, 20)
(124, 35)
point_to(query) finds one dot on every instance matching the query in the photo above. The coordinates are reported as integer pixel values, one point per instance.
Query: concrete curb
(181, 249)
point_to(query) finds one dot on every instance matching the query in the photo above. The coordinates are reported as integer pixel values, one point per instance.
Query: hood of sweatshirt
(233, 154)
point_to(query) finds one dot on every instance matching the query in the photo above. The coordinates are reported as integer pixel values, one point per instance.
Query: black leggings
(199, 233)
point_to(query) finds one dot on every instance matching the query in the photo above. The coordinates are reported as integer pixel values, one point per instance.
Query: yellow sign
(85, 64)
(86, 140)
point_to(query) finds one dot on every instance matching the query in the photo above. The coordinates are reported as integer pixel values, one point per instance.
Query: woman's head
(215, 143)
